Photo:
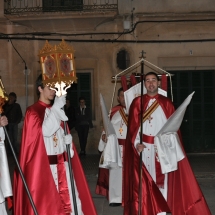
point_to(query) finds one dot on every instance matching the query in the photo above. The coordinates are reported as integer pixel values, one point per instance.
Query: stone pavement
(203, 166)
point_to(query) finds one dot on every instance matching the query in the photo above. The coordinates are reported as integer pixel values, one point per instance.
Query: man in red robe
(179, 188)
(44, 162)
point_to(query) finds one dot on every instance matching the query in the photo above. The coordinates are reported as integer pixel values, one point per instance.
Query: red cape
(35, 166)
(184, 194)
(115, 109)
(102, 186)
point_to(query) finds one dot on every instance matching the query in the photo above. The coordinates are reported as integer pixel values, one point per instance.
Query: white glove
(59, 102)
(67, 139)
(2, 135)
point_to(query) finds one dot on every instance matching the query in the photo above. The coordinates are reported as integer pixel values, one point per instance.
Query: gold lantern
(3, 96)
(57, 64)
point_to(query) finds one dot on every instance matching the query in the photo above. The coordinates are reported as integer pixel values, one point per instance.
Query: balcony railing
(22, 7)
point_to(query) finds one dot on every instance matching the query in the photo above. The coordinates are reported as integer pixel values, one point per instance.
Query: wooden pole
(71, 173)
(141, 138)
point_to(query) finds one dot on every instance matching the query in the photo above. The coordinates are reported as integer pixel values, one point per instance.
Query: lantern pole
(58, 72)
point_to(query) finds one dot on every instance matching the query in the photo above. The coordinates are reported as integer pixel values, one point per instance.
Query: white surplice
(151, 128)
(113, 156)
(51, 128)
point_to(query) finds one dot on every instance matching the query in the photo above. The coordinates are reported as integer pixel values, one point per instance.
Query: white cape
(111, 152)
(167, 141)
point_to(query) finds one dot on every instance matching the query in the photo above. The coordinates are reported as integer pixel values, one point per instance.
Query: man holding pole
(179, 188)
(44, 162)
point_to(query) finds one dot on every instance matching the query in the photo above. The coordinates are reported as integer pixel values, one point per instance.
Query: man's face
(11, 99)
(121, 98)
(82, 103)
(46, 94)
(151, 84)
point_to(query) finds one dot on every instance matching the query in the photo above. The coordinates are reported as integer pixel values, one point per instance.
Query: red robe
(36, 169)
(184, 195)
(102, 186)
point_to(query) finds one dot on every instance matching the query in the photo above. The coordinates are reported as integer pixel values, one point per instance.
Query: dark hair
(119, 90)
(12, 94)
(81, 98)
(39, 83)
(151, 73)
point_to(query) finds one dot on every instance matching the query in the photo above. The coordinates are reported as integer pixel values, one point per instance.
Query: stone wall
(97, 52)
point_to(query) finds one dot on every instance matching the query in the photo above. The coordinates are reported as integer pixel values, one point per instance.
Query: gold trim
(123, 115)
(150, 110)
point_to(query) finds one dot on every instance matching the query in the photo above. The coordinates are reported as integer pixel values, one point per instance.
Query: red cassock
(36, 169)
(102, 186)
(184, 194)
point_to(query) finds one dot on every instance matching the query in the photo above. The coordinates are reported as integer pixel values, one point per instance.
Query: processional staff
(58, 72)
(3, 99)
(141, 136)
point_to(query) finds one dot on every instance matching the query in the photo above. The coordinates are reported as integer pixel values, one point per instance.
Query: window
(123, 60)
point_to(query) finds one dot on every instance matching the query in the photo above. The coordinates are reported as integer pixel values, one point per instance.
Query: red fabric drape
(124, 83)
(9, 202)
(133, 80)
(164, 82)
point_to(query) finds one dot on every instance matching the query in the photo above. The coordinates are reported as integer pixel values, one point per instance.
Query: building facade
(177, 36)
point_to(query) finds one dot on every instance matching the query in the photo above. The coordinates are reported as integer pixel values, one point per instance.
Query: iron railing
(22, 7)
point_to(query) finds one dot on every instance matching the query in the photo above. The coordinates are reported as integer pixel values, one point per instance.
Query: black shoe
(115, 204)
(82, 153)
